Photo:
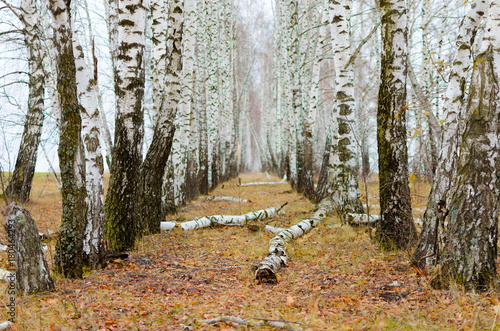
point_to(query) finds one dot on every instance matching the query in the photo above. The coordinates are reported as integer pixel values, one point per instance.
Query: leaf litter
(337, 278)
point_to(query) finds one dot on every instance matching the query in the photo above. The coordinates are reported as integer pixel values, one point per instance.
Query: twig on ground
(240, 321)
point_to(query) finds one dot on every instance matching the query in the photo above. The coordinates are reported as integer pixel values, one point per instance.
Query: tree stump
(25, 248)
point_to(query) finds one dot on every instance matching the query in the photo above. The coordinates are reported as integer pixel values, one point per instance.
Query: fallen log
(277, 258)
(273, 229)
(165, 226)
(5, 325)
(232, 199)
(32, 272)
(207, 221)
(283, 181)
(248, 323)
(362, 219)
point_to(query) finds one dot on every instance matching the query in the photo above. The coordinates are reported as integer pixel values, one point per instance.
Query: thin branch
(361, 44)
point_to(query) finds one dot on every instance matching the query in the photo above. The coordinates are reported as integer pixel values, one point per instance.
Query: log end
(265, 275)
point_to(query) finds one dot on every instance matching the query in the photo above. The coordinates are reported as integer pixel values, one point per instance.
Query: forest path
(336, 279)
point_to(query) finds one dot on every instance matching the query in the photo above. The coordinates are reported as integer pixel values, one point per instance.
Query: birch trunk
(19, 186)
(212, 88)
(470, 253)
(151, 211)
(293, 63)
(127, 44)
(427, 252)
(396, 229)
(201, 97)
(345, 180)
(69, 249)
(32, 273)
(183, 127)
(93, 246)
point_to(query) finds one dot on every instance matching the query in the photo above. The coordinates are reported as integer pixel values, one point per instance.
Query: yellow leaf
(290, 301)
(397, 116)
(412, 177)
(415, 134)
(441, 122)
(426, 113)
(361, 198)
(476, 111)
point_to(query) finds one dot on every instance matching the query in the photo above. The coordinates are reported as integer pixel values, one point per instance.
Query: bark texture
(396, 228)
(32, 274)
(93, 243)
(428, 252)
(344, 181)
(151, 211)
(69, 249)
(127, 30)
(19, 186)
(470, 253)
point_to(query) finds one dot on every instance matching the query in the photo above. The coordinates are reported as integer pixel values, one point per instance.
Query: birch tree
(93, 244)
(396, 228)
(19, 186)
(344, 181)
(69, 249)
(183, 122)
(153, 169)
(427, 252)
(470, 252)
(128, 42)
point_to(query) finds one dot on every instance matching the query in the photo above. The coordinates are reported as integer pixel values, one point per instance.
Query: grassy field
(337, 278)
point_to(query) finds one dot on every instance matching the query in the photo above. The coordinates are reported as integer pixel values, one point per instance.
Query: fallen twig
(248, 323)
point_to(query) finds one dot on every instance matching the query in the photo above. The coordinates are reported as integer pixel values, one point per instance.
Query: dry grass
(337, 278)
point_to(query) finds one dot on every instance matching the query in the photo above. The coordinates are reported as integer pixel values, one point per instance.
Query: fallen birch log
(247, 323)
(232, 199)
(277, 258)
(362, 219)
(207, 221)
(273, 229)
(165, 226)
(283, 181)
(5, 325)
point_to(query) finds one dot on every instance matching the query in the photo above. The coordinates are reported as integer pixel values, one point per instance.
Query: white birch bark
(87, 94)
(232, 199)
(183, 119)
(207, 221)
(470, 252)
(19, 186)
(127, 32)
(201, 98)
(427, 251)
(293, 63)
(212, 89)
(345, 179)
(266, 269)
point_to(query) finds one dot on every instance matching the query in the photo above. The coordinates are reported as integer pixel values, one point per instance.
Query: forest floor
(337, 278)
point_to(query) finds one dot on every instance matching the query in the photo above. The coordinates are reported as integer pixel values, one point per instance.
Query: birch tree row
(198, 91)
